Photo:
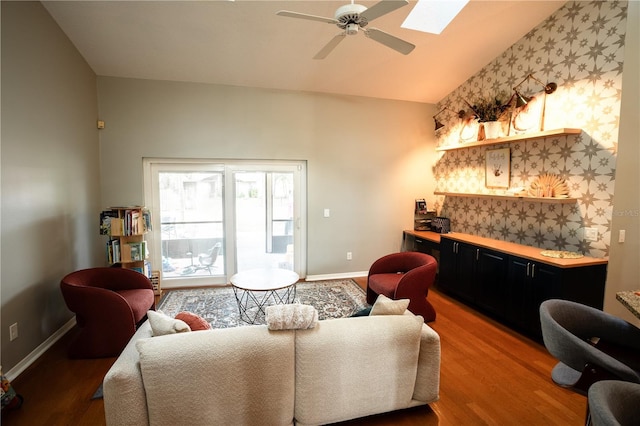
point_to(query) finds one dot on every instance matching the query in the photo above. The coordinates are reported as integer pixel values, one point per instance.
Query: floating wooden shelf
(510, 197)
(508, 139)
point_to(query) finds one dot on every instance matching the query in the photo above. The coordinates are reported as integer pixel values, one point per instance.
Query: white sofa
(339, 370)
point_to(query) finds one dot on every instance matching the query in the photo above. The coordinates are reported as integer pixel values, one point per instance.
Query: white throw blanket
(294, 316)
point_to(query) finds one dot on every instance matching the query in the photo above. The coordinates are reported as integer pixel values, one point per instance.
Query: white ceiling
(244, 43)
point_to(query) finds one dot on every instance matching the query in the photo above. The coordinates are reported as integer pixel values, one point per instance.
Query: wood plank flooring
(490, 375)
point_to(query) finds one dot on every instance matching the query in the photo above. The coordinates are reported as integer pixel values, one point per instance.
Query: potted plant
(489, 111)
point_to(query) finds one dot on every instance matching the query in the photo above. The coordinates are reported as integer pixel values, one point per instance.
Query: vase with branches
(490, 109)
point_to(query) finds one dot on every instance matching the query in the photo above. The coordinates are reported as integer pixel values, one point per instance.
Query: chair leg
(587, 417)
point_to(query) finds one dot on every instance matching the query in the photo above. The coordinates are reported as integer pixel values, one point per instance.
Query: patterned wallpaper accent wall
(580, 47)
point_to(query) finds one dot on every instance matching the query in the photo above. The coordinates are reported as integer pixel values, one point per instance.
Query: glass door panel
(212, 219)
(192, 224)
(264, 219)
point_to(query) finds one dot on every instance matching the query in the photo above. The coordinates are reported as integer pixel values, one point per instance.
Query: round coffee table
(257, 288)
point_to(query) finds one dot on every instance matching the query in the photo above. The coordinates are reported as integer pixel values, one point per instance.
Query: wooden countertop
(527, 252)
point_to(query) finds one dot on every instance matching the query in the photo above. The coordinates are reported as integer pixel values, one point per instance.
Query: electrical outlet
(326, 213)
(349, 255)
(621, 236)
(591, 234)
(13, 331)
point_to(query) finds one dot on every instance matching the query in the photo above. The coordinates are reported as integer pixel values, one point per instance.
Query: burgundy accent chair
(109, 304)
(405, 275)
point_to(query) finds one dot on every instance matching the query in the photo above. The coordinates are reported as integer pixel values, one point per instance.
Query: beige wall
(624, 268)
(50, 188)
(367, 159)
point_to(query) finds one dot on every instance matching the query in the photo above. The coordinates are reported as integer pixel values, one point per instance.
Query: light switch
(591, 234)
(621, 236)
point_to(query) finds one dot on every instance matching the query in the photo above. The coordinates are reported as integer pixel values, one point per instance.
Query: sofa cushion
(385, 306)
(241, 375)
(162, 324)
(194, 321)
(337, 356)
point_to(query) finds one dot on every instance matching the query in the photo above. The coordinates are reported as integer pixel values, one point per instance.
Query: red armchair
(109, 304)
(406, 275)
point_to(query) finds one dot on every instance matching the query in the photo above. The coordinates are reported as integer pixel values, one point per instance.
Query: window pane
(192, 227)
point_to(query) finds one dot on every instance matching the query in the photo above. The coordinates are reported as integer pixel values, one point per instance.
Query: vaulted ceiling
(244, 43)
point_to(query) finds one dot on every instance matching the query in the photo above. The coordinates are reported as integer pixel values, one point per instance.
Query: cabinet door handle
(477, 254)
(533, 270)
(419, 241)
(528, 266)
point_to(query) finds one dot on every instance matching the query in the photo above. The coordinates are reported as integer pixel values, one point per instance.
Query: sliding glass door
(213, 219)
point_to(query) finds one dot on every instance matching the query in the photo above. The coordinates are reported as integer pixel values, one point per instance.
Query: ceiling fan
(352, 17)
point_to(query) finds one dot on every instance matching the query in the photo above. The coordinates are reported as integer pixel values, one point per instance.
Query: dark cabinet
(491, 280)
(457, 268)
(423, 245)
(510, 287)
(475, 274)
(530, 283)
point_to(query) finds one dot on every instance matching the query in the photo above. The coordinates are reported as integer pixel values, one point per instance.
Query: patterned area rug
(332, 299)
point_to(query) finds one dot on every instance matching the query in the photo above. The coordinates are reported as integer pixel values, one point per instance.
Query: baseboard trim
(40, 350)
(341, 276)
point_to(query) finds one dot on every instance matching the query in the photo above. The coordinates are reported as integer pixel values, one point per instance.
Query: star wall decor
(581, 48)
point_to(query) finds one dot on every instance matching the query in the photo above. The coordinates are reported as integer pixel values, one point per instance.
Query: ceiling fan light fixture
(352, 17)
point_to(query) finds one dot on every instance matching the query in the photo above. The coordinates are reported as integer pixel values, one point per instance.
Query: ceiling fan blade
(330, 46)
(382, 8)
(388, 40)
(290, 14)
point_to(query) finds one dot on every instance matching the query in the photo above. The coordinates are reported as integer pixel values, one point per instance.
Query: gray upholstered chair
(613, 402)
(591, 345)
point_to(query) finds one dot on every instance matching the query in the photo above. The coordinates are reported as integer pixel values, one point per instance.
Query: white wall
(368, 159)
(50, 189)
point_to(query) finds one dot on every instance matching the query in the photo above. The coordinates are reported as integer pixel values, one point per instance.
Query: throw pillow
(293, 316)
(194, 321)
(162, 324)
(385, 306)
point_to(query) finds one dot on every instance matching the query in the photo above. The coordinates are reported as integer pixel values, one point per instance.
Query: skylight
(433, 16)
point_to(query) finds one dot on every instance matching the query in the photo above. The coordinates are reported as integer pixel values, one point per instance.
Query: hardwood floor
(490, 375)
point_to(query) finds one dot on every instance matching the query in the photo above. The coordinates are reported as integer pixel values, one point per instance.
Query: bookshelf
(125, 228)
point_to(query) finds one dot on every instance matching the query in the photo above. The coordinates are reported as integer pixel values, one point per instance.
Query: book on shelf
(106, 217)
(138, 251)
(125, 221)
(145, 269)
(113, 251)
(146, 216)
